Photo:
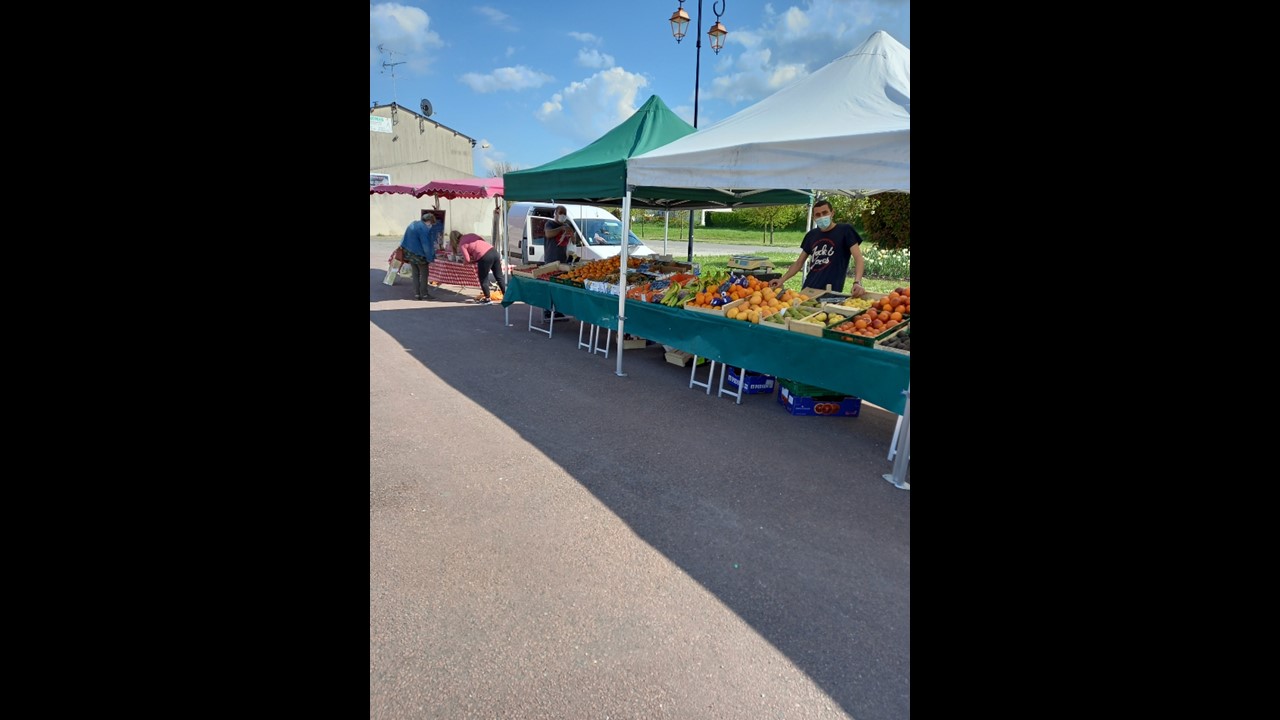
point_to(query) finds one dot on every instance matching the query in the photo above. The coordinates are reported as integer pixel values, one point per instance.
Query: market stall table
(450, 272)
(877, 376)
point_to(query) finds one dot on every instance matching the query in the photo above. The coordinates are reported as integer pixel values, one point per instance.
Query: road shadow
(786, 520)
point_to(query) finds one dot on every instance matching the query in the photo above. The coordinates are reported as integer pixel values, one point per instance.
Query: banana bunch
(671, 297)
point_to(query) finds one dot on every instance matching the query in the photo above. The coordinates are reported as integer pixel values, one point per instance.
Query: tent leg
(903, 456)
(622, 278)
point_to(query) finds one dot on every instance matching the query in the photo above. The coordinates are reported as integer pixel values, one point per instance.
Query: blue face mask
(824, 222)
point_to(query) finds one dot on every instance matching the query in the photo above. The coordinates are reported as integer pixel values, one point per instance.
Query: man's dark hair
(823, 201)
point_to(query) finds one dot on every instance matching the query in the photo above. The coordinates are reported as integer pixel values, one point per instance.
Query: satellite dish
(426, 107)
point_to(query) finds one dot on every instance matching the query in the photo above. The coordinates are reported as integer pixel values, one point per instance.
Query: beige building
(408, 148)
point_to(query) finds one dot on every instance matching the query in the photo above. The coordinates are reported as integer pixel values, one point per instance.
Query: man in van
(556, 234)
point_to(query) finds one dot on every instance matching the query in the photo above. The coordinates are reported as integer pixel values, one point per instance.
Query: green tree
(887, 221)
(771, 217)
(847, 209)
(501, 167)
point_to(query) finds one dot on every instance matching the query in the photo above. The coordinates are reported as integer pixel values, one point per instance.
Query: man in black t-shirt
(830, 245)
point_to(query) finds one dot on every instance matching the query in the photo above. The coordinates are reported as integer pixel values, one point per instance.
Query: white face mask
(561, 218)
(824, 222)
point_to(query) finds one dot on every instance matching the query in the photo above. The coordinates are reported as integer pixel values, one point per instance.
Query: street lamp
(679, 23)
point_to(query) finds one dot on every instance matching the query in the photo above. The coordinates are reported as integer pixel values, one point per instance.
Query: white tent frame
(873, 138)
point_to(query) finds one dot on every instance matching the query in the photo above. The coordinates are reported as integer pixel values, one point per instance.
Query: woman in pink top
(474, 249)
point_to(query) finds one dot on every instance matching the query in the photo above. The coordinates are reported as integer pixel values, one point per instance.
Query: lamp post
(679, 23)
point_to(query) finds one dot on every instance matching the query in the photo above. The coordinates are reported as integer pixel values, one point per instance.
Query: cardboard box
(682, 358)
(630, 342)
(804, 390)
(830, 406)
(608, 288)
(756, 382)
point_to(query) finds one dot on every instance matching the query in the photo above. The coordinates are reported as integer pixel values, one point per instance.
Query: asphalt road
(550, 540)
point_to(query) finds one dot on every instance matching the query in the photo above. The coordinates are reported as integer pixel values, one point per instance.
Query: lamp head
(717, 33)
(679, 22)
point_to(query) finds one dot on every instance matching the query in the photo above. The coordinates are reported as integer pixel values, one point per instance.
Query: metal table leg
(710, 375)
(742, 381)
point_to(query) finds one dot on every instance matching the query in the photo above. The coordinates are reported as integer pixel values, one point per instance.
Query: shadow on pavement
(786, 520)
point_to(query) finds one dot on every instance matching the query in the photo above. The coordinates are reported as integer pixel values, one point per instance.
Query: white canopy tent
(845, 127)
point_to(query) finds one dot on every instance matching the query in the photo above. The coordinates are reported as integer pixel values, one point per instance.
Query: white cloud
(794, 22)
(587, 38)
(506, 78)
(585, 110)
(593, 58)
(492, 159)
(686, 113)
(746, 38)
(405, 35)
(510, 51)
(752, 75)
(496, 16)
(794, 41)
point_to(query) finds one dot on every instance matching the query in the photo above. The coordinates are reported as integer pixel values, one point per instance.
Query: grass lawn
(726, 236)
(882, 270)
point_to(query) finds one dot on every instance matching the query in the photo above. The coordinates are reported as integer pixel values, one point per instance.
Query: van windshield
(604, 232)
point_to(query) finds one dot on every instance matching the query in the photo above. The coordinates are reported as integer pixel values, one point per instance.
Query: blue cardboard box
(833, 406)
(756, 382)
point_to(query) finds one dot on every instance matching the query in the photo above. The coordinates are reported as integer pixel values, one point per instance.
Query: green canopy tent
(597, 175)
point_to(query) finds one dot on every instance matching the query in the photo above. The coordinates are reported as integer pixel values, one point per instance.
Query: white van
(598, 233)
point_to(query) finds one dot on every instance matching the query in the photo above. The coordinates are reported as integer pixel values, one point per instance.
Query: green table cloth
(877, 376)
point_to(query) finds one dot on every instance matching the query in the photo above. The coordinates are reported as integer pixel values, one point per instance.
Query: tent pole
(506, 249)
(804, 271)
(690, 258)
(903, 456)
(622, 275)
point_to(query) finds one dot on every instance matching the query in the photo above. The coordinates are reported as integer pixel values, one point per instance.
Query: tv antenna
(391, 65)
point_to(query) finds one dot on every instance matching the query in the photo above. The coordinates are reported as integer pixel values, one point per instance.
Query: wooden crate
(682, 358)
(537, 271)
(716, 310)
(901, 328)
(795, 325)
(774, 326)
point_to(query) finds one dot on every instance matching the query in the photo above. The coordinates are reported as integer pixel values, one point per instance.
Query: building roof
(420, 116)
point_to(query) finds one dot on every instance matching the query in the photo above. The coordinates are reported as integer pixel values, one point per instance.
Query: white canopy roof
(846, 126)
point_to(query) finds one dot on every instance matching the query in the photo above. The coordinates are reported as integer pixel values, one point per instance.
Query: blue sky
(536, 80)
